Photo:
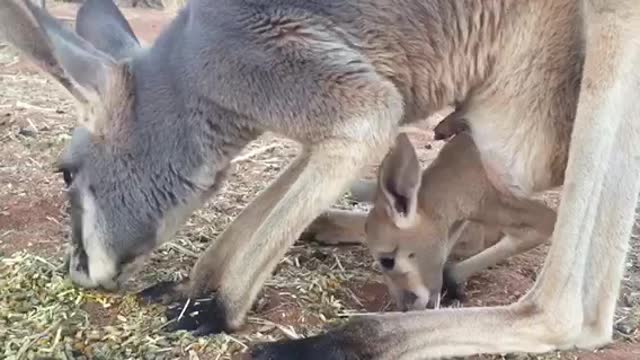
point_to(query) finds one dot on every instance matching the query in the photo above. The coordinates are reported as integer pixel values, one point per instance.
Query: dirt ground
(313, 285)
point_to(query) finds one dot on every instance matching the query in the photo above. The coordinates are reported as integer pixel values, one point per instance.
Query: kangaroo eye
(387, 263)
(67, 177)
(412, 255)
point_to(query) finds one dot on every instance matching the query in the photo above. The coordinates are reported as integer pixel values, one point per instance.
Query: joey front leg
(335, 227)
(526, 224)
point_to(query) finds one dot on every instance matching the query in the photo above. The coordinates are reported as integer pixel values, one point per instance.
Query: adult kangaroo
(159, 126)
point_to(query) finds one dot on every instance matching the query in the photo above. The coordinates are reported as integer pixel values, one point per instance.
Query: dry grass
(43, 316)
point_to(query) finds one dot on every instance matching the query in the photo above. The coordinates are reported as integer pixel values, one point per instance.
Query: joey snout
(412, 301)
(409, 293)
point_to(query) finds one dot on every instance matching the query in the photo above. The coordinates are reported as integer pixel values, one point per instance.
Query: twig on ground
(244, 346)
(287, 331)
(254, 152)
(182, 249)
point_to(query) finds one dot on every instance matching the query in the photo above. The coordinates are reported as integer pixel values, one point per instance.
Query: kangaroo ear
(72, 61)
(399, 179)
(101, 23)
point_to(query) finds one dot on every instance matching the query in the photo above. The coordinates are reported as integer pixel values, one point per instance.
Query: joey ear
(72, 61)
(102, 24)
(399, 180)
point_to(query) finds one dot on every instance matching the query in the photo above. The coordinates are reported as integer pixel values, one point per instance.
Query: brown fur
(459, 215)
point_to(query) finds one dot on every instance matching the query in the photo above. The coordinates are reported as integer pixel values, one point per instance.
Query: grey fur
(103, 25)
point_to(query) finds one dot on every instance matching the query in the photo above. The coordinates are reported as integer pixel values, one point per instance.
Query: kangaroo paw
(201, 317)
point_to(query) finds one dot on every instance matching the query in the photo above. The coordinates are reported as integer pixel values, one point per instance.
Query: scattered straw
(43, 316)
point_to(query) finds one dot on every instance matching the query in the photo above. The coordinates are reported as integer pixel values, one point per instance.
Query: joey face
(412, 260)
(405, 240)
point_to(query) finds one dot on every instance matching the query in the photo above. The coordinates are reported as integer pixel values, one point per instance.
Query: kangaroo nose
(409, 299)
(387, 263)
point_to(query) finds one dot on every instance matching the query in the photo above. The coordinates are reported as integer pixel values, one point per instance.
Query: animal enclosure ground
(43, 316)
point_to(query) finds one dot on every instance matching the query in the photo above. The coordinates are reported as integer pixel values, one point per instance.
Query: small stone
(625, 328)
(27, 132)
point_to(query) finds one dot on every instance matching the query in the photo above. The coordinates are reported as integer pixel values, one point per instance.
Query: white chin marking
(101, 263)
(80, 278)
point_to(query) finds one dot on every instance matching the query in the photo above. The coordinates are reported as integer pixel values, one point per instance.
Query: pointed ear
(72, 61)
(399, 179)
(101, 23)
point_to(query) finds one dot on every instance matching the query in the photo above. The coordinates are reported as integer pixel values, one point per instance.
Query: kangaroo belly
(518, 159)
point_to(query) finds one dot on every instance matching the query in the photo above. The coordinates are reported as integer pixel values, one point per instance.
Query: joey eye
(412, 255)
(388, 263)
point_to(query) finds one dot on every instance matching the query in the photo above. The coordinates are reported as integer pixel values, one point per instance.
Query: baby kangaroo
(423, 219)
